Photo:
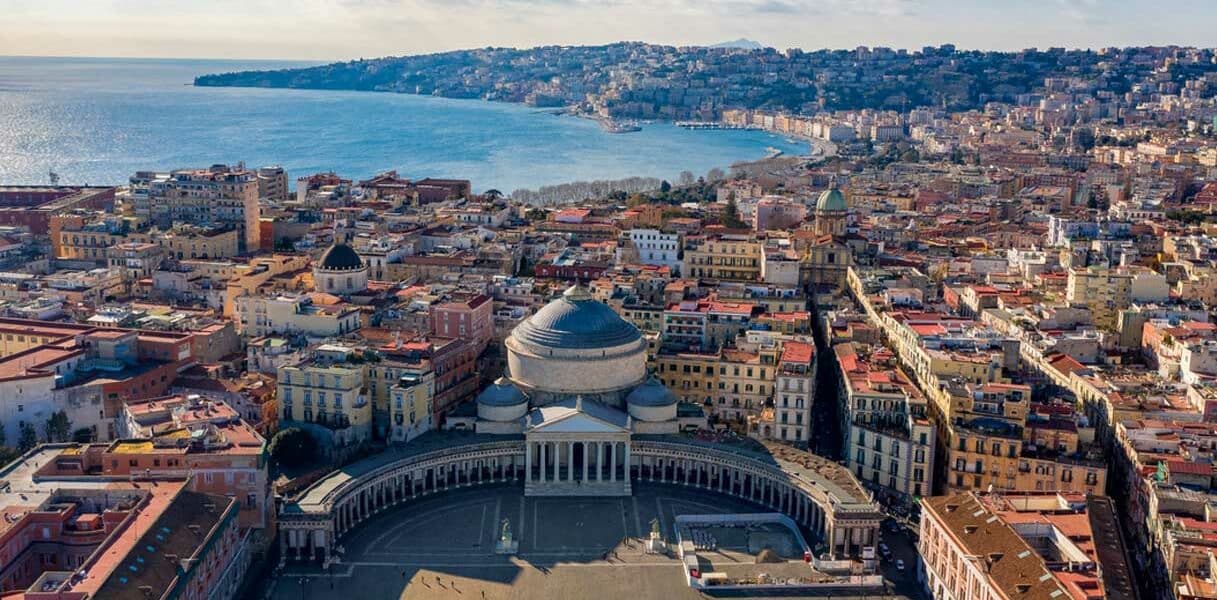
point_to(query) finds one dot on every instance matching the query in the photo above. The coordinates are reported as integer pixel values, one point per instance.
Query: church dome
(576, 321)
(501, 393)
(832, 200)
(651, 393)
(341, 257)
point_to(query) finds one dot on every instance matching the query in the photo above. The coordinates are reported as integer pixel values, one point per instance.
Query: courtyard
(578, 547)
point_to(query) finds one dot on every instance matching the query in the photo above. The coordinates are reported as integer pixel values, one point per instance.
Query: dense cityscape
(962, 348)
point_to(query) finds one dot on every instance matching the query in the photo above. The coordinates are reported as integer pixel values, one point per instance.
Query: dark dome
(652, 393)
(341, 257)
(576, 321)
(502, 393)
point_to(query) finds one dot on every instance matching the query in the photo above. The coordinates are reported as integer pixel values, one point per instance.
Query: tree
(687, 178)
(27, 437)
(665, 187)
(715, 175)
(83, 435)
(536, 214)
(492, 194)
(731, 216)
(293, 447)
(58, 427)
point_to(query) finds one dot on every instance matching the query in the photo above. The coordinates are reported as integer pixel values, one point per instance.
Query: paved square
(442, 547)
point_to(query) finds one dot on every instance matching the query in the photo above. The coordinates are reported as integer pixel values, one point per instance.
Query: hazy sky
(339, 29)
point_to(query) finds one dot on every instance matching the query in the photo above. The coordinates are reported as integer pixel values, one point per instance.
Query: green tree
(731, 216)
(58, 427)
(293, 447)
(665, 187)
(27, 437)
(536, 214)
(492, 194)
(83, 435)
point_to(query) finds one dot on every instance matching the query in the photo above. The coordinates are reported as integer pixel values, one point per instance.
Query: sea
(99, 120)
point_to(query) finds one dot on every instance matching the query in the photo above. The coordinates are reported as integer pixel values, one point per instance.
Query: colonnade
(558, 461)
(844, 525)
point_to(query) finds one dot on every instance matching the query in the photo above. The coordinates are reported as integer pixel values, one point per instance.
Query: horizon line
(533, 47)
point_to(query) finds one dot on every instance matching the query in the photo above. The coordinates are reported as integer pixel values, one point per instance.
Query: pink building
(467, 317)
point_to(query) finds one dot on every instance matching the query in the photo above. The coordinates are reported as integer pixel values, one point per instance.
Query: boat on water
(620, 126)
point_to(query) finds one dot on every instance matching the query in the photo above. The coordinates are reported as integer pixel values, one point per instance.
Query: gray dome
(341, 257)
(576, 321)
(502, 393)
(652, 393)
(832, 200)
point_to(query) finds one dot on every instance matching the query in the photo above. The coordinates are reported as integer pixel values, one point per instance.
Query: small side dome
(502, 393)
(652, 393)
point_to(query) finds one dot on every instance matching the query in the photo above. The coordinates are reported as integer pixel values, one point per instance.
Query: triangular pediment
(571, 421)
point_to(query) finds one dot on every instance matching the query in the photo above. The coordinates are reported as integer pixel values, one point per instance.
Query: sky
(345, 29)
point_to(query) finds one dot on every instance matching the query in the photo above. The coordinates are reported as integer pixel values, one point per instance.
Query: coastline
(144, 117)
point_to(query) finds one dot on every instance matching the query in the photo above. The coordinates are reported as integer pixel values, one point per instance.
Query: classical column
(528, 462)
(612, 461)
(541, 447)
(586, 459)
(556, 461)
(599, 462)
(625, 449)
(570, 461)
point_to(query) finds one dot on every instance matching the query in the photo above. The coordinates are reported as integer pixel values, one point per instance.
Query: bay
(99, 120)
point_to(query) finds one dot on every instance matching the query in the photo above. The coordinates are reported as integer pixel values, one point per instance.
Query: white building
(652, 247)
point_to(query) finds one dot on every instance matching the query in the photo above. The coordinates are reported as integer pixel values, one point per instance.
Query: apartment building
(650, 247)
(1107, 291)
(1029, 546)
(889, 441)
(723, 256)
(328, 390)
(996, 436)
(795, 392)
(311, 314)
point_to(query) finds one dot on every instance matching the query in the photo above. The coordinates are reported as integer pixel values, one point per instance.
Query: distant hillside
(742, 44)
(647, 81)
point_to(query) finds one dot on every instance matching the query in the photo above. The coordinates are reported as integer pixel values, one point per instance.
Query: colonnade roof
(835, 479)
(313, 498)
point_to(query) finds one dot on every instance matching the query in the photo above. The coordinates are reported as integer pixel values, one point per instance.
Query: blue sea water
(98, 120)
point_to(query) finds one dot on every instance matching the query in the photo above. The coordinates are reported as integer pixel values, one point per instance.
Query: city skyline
(344, 29)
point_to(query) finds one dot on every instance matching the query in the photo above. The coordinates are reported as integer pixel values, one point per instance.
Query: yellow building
(329, 393)
(1108, 291)
(76, 240)
(734, 384)
(403, 390)
(725, 257)
(990, 441)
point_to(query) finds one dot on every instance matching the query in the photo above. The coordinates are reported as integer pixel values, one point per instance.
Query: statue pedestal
(506, 546)
(656, 545)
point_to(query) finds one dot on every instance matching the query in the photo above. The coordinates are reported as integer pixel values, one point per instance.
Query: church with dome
(827, 258)
(340, 271)
(577, 389)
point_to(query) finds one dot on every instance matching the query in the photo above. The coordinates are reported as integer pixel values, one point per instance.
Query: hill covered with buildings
(639, 80)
